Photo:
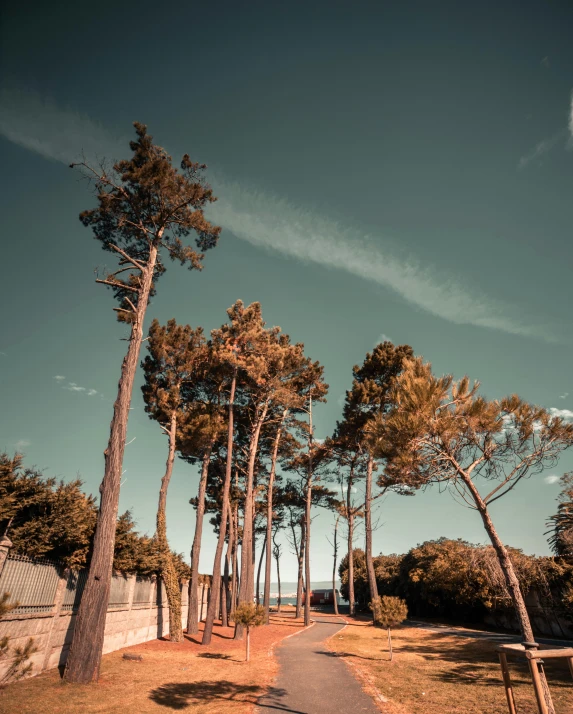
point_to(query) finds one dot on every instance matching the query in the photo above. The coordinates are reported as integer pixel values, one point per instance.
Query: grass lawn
(171, 677)
(440, 673)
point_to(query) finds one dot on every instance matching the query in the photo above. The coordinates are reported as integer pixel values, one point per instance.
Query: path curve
(312, 680)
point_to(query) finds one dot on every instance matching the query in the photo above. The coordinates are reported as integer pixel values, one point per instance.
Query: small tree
(249, 615)
(387, 613)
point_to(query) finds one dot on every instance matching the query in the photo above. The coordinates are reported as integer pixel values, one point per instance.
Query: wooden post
(534, 666)
(390, 643)
(570, 660)
(507, 683)
(248, 643)
(5, 545)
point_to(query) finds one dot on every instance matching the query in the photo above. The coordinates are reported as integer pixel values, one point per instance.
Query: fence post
(58, 602)
(5, 545)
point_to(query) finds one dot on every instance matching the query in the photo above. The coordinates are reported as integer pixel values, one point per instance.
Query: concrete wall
(52, 631)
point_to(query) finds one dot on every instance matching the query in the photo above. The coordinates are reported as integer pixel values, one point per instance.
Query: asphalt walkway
(312, 680)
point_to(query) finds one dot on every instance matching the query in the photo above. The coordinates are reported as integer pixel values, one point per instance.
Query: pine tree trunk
(307, 514)
(300, 582)
(368, 526)
(279, 583)
(351, 565)
(269, 552)
(246, 586)
(350, 517)
(334, 566)
(193, 614)
(264, 550)
(84, 658)
(215, 585)
(168, 572)
(512, 584)
(225, 605)
(234, 583)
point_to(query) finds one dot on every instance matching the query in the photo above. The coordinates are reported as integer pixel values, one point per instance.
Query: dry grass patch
(171, 677)
(435, 673)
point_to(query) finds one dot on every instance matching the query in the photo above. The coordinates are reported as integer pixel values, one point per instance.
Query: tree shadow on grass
(476, 662)
(181, 695)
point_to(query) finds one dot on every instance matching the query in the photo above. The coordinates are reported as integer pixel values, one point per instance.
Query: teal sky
(383, 169)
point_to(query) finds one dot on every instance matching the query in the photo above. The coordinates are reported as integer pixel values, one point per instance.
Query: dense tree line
(458, 580)
(55, 520)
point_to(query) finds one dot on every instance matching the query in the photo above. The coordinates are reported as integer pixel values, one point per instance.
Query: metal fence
(119, 593)
(30, 583)
(33, 584)
(75, 584)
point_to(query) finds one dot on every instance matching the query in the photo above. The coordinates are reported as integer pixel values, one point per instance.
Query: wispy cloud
(59, 377)
(542, 148)
(545, 62)
(275, 224)
(39, 124)
(564, 395)
(551, 479)
(546, 145)
(382, 338)
(566, 414)
(271, 222)
(22, 443)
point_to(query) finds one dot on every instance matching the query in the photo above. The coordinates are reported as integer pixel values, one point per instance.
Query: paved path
(313, 681)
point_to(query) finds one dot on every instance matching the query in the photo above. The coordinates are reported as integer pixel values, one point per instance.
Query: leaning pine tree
(146, 208)
(441, 431)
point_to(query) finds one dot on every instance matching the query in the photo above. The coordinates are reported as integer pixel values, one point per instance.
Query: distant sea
(289, 590)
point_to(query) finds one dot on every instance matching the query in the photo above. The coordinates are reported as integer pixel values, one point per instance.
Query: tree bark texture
(368, 526)
(334, 565)
(300, 579)
(84, 658)
(277, 558)
(307, 514)
(264, 549)
(215, 585)
(269, 550)
(234, 577)
(168, 572)
(246, 586)
(193, 614)
(226, 602)
(350, 518)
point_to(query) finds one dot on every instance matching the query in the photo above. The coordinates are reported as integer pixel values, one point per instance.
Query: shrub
(388, 612)
(249, 615)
